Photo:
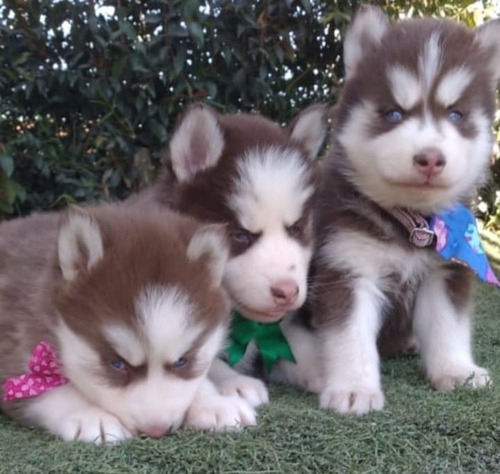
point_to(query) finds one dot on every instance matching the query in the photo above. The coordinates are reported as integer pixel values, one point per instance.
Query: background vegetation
(90, 90)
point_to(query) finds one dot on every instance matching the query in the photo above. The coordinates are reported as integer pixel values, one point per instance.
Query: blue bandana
(457, 239)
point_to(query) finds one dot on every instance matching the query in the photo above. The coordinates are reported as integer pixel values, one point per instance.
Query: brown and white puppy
(412, 130)
(133, 305)
(260, 180)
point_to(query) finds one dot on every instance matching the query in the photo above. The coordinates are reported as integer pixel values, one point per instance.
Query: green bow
(268, 336)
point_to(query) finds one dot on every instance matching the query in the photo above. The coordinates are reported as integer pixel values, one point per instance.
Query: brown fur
(140, 249)
(205, 196)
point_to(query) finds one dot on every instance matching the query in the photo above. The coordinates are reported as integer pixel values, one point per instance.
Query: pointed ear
(211, 241)
(363, 35)
(197, 143)
(488, 36)
(79, 245)
(309, 129)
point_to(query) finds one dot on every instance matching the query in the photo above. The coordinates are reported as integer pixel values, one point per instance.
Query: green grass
(420, 431)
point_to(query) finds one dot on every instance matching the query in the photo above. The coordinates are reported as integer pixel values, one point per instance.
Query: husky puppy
(260, 179)
(411, 136)
(109, 321)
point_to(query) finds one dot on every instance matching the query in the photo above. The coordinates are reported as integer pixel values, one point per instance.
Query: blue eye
(243, 237)
(119, 365)
(394, 115)
(455, 116)
(180, 362)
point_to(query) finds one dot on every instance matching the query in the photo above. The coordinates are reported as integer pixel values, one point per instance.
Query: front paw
(92, 425)
(469, 376)
(252, 390)
(220, 413)
(354, 400)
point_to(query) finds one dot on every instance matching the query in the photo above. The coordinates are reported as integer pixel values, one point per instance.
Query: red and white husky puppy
(109, 321)
(411, 136)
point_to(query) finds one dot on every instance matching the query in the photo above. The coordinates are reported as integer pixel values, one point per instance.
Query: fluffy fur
(412, 130)
(260, 180)
(133, 304)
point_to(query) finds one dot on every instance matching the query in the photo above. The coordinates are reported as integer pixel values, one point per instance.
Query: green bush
(90, 90)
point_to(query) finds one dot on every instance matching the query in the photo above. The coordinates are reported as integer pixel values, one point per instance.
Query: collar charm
(268, 336)
(44, 375)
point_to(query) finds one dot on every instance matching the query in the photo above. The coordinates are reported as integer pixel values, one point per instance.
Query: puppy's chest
(387, 263)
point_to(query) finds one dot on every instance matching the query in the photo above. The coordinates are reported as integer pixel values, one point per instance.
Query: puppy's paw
(469, 376)
(250, 389)
(92, 425)
(357, 401)
(220, 413)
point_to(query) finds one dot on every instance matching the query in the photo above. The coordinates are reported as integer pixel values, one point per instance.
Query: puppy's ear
(309, 129)
(363, 36)
(488, 36)
(210, 241)
(79, 244)
(197, 142)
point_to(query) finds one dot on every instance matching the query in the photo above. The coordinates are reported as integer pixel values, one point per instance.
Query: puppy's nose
(284, 292)
(157, 431)
(429, 162)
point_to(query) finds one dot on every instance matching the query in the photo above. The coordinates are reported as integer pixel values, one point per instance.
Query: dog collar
(420, 234)
(268, 336)
(44, 375)
(454, 234)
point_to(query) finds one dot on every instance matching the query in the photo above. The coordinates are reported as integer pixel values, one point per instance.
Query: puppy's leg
(66, 413)
(350, 356)
(215, 412)
(231, 383)
(306, 373)
(442, 324)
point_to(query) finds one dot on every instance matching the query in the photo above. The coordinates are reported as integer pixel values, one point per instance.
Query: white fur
(351, 361)
(166, 315)
(452, 85)
(231, 383)
(197, 143)
(212, 411)
(430, 61)
(307, 371)
(350, 355)
(210, 241)
(389, 176)
(445, 341)
(405, 87)
(166, 330)
(270, 195)
(65, 412)
(127, 343)
(371, 258)
(310, 130)
(78, 233)
(368, 26)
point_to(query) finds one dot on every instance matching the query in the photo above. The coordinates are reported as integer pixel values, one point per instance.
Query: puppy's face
(415, 118)
(271, 233)
(146, 369)
(259, 179)
(142, 315)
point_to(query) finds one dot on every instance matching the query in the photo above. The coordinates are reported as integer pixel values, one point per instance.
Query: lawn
(419, 431)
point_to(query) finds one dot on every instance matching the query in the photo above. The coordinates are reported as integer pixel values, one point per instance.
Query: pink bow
(45, 374)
